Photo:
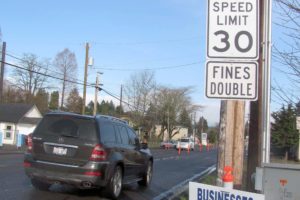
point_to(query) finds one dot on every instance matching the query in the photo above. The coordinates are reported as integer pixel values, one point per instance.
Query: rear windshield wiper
(68, 135)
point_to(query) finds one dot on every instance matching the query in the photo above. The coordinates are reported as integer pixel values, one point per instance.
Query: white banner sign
(198, 191)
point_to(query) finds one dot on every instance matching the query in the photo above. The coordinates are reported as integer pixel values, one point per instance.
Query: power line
(149, 69)
(118, 98)
(145, 42)
(47, 75)
(43, 67)
(70, 81)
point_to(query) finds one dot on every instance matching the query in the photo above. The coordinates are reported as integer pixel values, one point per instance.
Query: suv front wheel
(147, 176)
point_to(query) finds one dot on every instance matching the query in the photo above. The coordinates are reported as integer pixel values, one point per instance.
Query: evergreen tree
(89, 109)
(107, 108)
(74, 101)
(119, 110)
(54, 97)
(185, 120)
(112, 109)
(284, 134)
(212, 135)
(202, 126)
(298, 108)
(41, 100)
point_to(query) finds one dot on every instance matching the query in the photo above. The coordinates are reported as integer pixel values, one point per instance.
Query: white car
(186, 143)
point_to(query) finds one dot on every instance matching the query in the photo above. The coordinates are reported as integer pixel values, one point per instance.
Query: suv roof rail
(62, 112)
(112, 118)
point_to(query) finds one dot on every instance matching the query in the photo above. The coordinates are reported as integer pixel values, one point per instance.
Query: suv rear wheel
(147, 176)
(115, 184)
(40, 185)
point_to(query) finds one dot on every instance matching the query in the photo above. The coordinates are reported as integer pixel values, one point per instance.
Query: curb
(10, 152)
(183, 186)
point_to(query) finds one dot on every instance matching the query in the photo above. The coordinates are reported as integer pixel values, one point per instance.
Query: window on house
(8, 132)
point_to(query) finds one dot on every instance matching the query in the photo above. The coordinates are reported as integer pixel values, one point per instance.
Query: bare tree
(170, 104)
(287, 54)
(12, 94)
(66, 65)
(32, 77)
(139, 91)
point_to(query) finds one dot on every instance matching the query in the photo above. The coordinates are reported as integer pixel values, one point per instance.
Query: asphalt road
(170, 169)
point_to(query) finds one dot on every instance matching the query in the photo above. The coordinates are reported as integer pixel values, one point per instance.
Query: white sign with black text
(198, 191)
(232, 29)
(231, 80)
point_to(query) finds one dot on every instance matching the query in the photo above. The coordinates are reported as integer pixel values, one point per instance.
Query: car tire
(147, 177)
(114, 187)
(39, 185)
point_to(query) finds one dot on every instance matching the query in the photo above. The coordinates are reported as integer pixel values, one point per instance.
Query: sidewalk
(12, 149)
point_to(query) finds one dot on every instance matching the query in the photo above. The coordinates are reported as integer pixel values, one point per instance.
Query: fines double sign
(231, 80)
(232, 29)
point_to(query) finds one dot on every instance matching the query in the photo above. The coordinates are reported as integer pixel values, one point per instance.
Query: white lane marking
(177, 189)
(167, 158)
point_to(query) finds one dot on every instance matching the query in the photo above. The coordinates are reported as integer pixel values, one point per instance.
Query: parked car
(86, 152)
(186, 143)
(168, 144)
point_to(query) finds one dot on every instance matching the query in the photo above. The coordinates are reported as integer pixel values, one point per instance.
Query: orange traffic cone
(179, 150)
(189, 149)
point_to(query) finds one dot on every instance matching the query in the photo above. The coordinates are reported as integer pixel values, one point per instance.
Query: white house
(17, 119)
(182, 132)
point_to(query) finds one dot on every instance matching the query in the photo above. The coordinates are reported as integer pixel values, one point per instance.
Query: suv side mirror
(144, 145)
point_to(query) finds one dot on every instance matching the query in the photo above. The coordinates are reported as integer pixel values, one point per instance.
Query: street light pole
(97, 88)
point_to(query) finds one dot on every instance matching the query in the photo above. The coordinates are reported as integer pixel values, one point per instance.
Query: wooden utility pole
(231, 140)
(85, 76)
(2, 71)
(225, 138)
(238, 143)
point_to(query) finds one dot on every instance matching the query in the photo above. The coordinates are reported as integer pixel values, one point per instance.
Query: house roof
(15, 112)
(30, 120)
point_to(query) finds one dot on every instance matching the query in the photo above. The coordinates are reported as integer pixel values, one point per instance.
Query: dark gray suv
(86, 152)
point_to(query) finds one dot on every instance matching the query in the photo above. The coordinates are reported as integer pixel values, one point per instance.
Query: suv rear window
(68, 126)
(107, 133)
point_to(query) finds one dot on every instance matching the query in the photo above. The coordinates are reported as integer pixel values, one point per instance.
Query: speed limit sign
(232, 29)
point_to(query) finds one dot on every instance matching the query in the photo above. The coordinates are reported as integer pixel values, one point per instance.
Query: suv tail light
(98, 153)
(29, 142)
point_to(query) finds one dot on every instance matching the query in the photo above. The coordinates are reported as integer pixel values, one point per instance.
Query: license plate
(60, 151)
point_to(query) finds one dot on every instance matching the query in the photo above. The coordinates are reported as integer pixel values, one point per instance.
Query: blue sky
(131, 34)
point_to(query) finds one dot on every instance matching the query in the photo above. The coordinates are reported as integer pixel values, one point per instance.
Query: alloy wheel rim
(117, 182)
(149, 173)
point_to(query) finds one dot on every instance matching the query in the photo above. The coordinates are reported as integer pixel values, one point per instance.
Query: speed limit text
(240, 10)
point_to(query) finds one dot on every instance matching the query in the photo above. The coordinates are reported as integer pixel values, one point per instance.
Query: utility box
(281, 181)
